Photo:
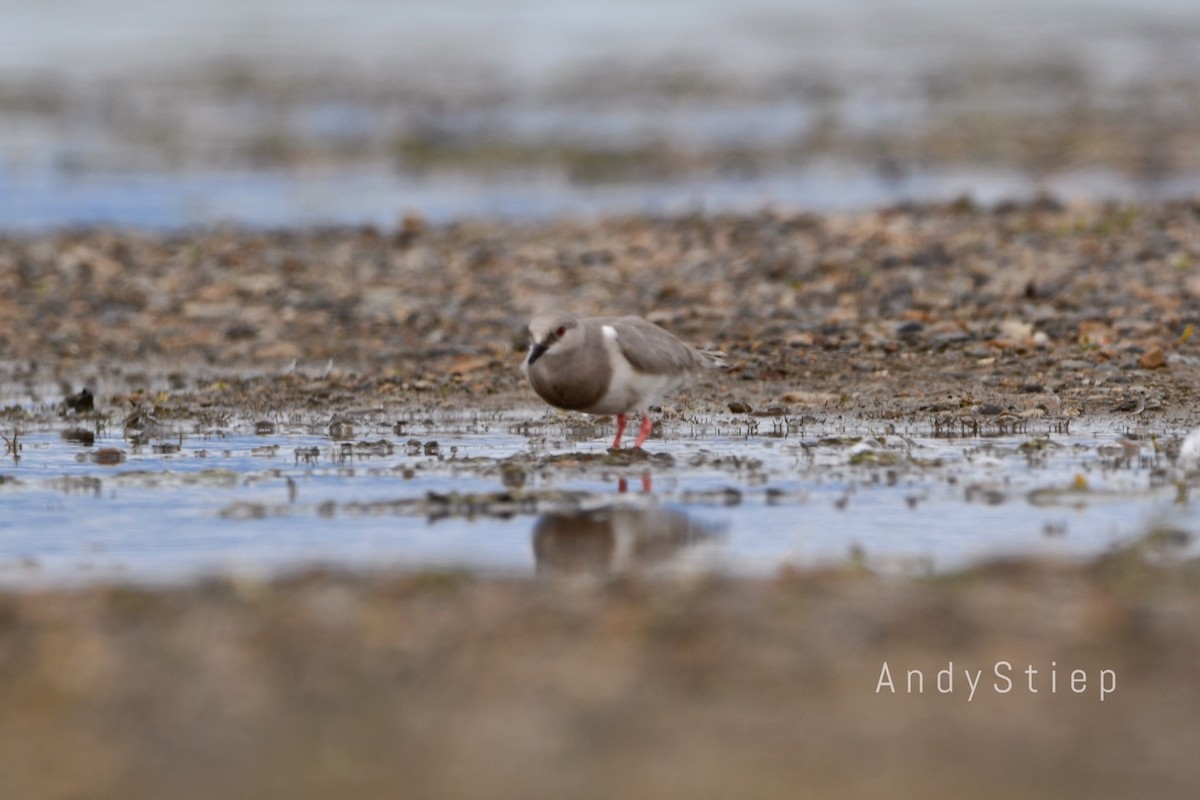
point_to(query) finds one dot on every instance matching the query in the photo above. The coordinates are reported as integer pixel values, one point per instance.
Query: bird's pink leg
(647, 424)
(620, 429)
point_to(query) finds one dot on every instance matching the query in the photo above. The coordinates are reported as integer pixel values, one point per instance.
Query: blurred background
(286, 112)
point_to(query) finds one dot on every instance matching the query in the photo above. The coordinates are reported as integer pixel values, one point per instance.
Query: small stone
(412, 227)
(79, 436)
(512, 475)
(1016, 329)
(1153, 358)
(463, 364)
(108, 456)
(241, 330)
(80, 401)
(1134, 405)
(1162, 538)
(950, 337)
(1096, 333)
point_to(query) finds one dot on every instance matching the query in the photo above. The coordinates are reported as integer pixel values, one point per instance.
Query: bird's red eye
(561, 330)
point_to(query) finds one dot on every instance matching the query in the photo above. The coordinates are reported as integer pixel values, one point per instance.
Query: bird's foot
(644, 431)
(621, 420)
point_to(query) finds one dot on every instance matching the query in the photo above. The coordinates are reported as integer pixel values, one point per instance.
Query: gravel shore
(950, 315)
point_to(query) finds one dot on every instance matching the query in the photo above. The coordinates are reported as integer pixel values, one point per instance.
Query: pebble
(1154, 358)
(81, 401)
(512, 475)
(108, 456)
(79, 436)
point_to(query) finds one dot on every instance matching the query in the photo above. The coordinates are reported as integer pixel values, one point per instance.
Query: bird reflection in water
(614, 539)
(623, 484)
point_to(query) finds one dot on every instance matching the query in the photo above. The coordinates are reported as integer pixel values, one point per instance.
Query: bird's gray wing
(651, 349)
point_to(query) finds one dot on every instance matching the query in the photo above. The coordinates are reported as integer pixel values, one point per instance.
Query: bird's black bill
(536, 352)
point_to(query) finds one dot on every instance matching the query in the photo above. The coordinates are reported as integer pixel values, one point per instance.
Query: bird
(609, 365)
(616, 539)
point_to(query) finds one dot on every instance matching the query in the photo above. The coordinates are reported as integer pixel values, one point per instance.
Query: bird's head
(555, 330)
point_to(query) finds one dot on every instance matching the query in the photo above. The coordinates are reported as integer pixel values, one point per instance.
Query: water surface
(189, 505)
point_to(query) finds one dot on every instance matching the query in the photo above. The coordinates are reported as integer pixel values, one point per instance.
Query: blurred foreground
(324, 685)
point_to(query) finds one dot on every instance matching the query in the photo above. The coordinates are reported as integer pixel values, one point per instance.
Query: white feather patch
(609, 331)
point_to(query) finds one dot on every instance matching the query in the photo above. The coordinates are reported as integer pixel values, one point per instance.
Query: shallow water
(133, 116)
(731, 502)
(39, 200)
